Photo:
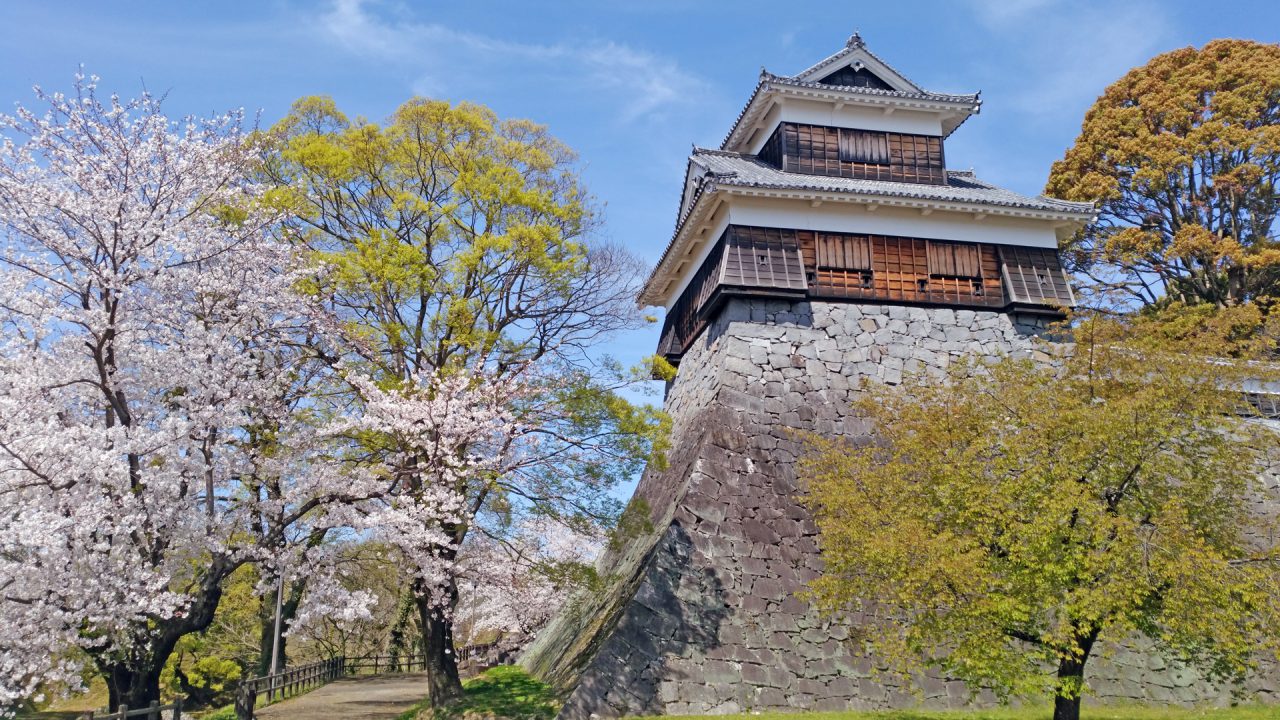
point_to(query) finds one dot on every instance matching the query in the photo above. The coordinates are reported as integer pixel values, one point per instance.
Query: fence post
(245, 698)
(123, 710)
(177, 709)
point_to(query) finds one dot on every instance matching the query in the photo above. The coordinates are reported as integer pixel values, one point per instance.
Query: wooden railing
(385, 664)
(293, 681)
(286, 683)
(376, 664)
(154, 711)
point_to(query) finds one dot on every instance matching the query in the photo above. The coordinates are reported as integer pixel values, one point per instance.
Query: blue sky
(629, 85)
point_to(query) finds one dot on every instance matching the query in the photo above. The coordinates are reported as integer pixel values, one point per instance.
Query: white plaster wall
(694, 256)
(887, 220)
(824, 112)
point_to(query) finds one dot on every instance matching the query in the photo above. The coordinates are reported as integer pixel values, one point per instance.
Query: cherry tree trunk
(435, 617)
(133, 687)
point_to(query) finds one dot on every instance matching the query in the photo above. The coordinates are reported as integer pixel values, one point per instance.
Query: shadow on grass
(501, 692)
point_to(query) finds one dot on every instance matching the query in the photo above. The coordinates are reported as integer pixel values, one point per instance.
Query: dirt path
(373, 697)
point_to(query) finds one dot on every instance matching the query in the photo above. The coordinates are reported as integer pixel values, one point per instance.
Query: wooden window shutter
(763, 258)
(1034, 275)
(954, 260)
(864, 146)
(843, 252)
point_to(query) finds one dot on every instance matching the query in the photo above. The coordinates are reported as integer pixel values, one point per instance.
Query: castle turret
(832, 185)
(823, 244)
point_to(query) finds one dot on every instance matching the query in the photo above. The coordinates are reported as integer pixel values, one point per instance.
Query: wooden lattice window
(842, 260)
(864, 146)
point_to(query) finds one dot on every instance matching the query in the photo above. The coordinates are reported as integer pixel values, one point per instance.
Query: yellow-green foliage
(1184, 156)
(215, 659)
(441, 210)
(1003, 521)
(446, 237)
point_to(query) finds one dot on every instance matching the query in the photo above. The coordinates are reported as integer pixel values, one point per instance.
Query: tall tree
(458, 245)
(148, 321)
(1183, 156)
(1001, 525)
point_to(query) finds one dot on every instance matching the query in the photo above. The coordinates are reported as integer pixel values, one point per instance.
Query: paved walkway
(372, 697)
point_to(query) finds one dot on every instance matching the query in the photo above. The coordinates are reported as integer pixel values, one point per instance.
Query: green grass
(1117, 712)
(505, 692)
(226, 712)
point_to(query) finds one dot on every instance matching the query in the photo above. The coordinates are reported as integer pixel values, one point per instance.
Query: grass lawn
(506, 692)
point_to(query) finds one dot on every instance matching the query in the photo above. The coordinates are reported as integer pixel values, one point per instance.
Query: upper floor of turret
(864, 107)
(832, 184)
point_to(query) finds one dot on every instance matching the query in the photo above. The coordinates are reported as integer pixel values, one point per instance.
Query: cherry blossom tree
(512, 584)
(172, 409)
(148, 330)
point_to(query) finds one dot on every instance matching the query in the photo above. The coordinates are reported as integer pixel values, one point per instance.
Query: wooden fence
(293, 681)
(154, 711)
(286, 683)
(296, 680)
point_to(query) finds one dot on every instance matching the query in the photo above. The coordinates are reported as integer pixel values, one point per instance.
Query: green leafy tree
(1183, 157)
(999, 526)
(453, 241)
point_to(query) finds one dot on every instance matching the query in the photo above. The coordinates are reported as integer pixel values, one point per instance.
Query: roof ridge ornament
(855, 40)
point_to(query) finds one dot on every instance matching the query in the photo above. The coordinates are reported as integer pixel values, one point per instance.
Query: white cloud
(1063, 53)
(638, 84)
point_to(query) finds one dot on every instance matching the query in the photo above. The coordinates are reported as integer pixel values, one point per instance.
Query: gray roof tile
(730, 168)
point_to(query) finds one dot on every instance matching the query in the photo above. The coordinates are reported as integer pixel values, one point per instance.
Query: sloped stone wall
(702, 616)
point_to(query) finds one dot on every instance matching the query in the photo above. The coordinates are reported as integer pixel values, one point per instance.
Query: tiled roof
(968, 98)
(730, 168)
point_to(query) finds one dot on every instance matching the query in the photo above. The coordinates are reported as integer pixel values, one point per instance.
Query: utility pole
(275, 640)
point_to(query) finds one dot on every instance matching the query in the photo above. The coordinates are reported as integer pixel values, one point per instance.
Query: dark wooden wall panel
(849, 77)
(820, 150)
(1034, 275)
(876, 268)
(685, 320)
(762, 258)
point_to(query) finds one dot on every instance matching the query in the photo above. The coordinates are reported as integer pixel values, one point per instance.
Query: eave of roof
(770, 84)
(737, 174)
